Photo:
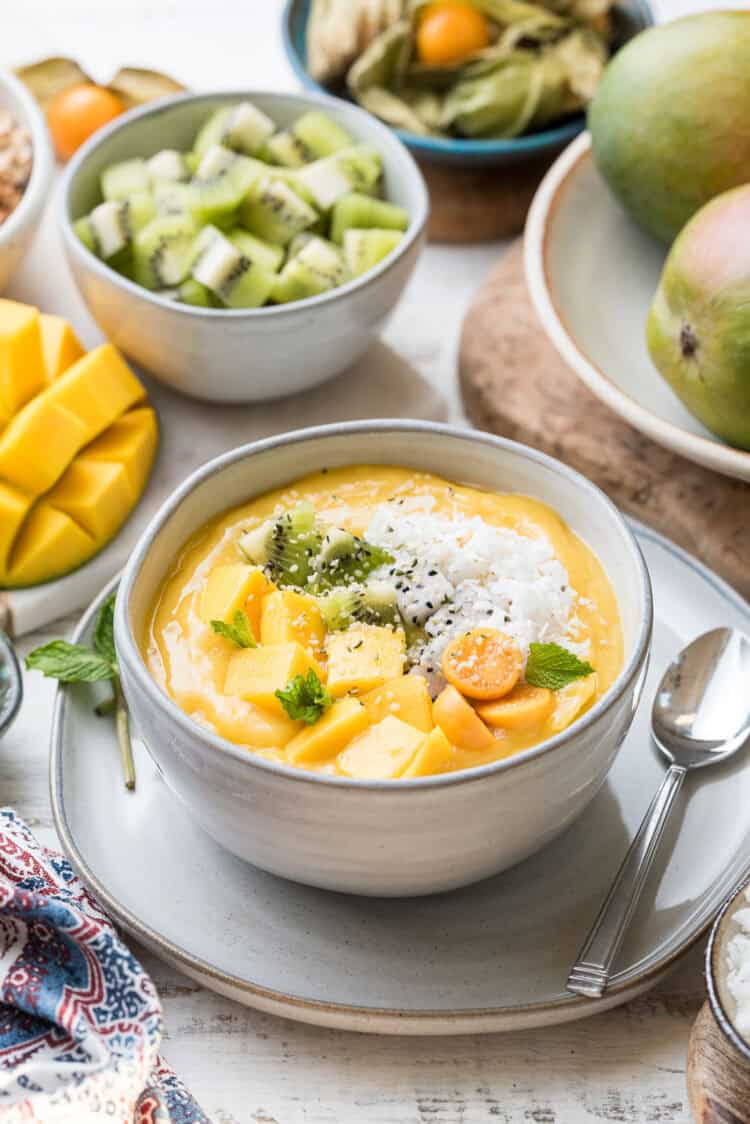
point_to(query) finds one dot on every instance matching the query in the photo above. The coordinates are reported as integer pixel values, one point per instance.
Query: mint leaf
(104, 630)
(305, 698)
(554, 667)
(70, 663)
(239, 631)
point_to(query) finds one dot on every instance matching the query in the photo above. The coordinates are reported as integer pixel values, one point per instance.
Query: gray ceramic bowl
(388, 837)
(11, 684)
(722, 1004)
(18, 230)
(239, 355)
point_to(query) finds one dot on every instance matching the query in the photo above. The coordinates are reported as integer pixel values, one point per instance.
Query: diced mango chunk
(363, 658)
(436, 755)
(382, 752)
(60, 345)
(39, 444)
(407, 698)
(232, 588)
(330, 734)
(130, 441)
(288, 617)
(22, 370)
(97, 389)
(256, 674)
(96, 494)
(14, 507)
(571, 700)
(50, 544)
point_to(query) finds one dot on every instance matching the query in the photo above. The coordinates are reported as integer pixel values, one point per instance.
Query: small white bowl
(243, 355)
(18, 230)
(383, 837)
(722, 1003)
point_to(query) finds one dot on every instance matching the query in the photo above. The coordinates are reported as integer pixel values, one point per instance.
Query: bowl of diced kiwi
(243, 246)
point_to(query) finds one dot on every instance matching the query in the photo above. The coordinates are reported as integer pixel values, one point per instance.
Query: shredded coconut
(738, 963)
(453, 574)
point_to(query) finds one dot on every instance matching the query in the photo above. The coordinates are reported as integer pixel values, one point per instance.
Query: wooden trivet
(514, 384)
(718, 1082)
(480, 204)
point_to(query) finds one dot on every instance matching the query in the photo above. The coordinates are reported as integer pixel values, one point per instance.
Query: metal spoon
(700, 716)
(11, 684)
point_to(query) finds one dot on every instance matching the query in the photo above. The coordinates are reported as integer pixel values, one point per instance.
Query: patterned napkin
(80, 1021)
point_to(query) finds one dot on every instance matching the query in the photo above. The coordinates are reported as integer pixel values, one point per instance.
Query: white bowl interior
(485, 462)
(175, 124)
(728, 929)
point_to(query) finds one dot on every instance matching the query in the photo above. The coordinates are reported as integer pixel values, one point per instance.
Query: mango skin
(669, 120)
(698, 328)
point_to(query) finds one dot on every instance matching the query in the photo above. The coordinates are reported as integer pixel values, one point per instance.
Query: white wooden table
(249, 1068)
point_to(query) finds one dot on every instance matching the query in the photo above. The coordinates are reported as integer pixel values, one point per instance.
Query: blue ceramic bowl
(11, 689)
(631, 17)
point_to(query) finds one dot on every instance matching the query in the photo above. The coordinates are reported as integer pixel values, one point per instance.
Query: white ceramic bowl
(18, 230)
(722, 1003)
(592, 275)
(383, 837)
(239, 355)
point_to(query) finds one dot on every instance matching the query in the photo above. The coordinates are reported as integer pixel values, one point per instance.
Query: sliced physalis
(77, 443)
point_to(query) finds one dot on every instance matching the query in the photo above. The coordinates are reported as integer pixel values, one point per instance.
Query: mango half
(77, 443)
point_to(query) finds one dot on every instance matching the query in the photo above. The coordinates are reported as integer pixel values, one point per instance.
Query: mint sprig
(77, 663)
(554, 667)
(240, 631)
(305, 698)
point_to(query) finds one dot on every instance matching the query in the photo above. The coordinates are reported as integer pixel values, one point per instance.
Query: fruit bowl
(383, 837)
(18, 230)
(238, 355)
(632, 16)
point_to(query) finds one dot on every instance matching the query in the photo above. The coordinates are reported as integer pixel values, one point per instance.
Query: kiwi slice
(242, 127)
(362, 212)
(232, 277)
(262, 253)
(162, 251)
(357, 168)
(168, 166)
(192, 292)
(312, 136)
(112, 226)
(286, 150)
(375, 603)
(317, 267)
(221, 183)
(364, 249)
(274, 212)
(286, 546)
(344, 559)
(119, 181)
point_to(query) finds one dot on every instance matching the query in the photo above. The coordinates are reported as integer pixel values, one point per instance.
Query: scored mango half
(77, 444)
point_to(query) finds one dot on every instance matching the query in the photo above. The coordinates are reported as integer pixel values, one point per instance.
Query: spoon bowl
(700, 716)
(11, 687)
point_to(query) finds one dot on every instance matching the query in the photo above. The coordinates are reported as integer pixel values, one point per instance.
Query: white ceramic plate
(592, 274)
(492, 957)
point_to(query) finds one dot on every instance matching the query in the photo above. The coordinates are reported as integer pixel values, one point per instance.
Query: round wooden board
(515, 384)
(718, 1082)
(480, 204)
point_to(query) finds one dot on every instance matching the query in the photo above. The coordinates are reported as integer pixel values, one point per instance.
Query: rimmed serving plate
(491, 957)
(592, 274)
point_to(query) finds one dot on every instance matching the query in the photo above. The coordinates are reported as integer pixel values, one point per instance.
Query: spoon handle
(590, 974)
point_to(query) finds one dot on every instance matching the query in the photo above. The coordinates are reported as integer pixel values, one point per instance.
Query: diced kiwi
(285, 149)
(173, 198)
(285, 546)
(242, 127)
(221, 183)
(168, 166)
(298, 243)
(119, 181)
(113, 225)
(344, 559)
(364, 249)
(262, 253)
(362, 212)
(314, 269)
(230, 276)
(192, 292)
(375, 603)
(312, 136)
(357, 168)
(274, 212)
(162, 251)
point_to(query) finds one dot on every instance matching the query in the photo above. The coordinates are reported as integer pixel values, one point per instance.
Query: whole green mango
(670, 120)
(698, 329)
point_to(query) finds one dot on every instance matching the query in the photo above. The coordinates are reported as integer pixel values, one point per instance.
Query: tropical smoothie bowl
(358, 654)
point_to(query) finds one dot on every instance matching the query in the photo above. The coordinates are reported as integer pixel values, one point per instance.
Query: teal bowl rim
(533, 144)
(10, 702)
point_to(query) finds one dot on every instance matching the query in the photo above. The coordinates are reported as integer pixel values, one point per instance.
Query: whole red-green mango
(698, 328)
(670, 120)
